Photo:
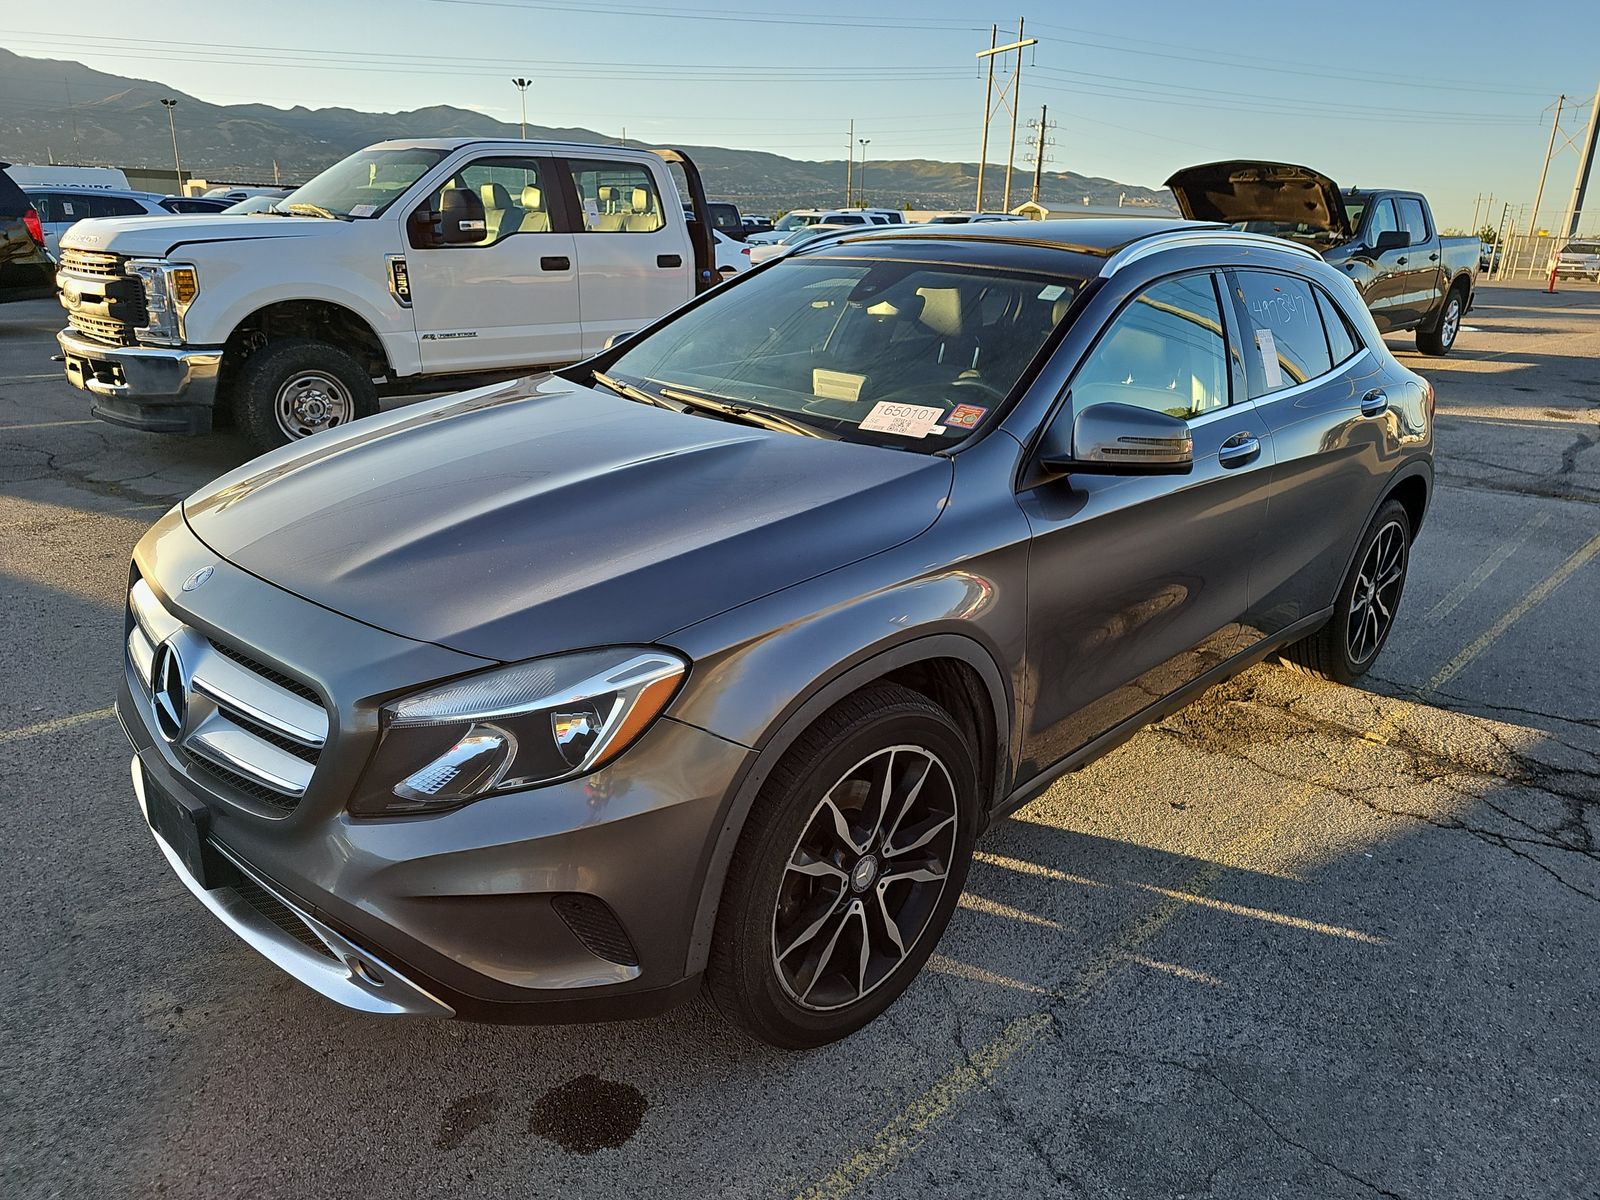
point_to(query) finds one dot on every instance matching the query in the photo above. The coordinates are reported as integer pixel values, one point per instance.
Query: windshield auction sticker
(904, 420)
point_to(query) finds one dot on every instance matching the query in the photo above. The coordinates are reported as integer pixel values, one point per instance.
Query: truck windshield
(796, 221)
(906, 354)
(366, 183)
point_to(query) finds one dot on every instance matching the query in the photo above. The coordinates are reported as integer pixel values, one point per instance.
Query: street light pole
(522, 86)
(177, 163)
(861, 177)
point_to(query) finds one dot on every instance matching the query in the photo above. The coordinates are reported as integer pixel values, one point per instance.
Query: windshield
(1581, 248)
(365, 184)
(905, 354)
(796, 221)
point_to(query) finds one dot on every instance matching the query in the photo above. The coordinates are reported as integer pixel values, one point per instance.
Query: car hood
(539, 516)
(152, 237)
(1260, 191)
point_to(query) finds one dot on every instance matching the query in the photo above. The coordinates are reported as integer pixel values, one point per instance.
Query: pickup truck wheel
(1438, 340)
(1368, 601)
(296, 387)
(848, 868)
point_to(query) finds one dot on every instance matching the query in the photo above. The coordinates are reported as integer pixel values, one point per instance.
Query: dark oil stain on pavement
(588, 1114)
(464, 1115)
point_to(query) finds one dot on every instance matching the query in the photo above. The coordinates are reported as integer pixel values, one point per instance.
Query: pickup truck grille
(103, 302)
(242, 730)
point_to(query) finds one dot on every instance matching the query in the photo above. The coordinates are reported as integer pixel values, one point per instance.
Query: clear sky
(1445, 97)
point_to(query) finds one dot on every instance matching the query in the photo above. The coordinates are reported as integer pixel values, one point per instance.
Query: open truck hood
(1282, 193)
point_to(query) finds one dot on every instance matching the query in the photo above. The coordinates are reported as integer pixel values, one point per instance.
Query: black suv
(26, 272)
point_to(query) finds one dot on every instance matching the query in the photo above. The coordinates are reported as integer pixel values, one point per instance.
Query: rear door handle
(1239, 449)
(1400, 262)
(669, 260)
(1374, 403)
(1433, 258)
(555, 262)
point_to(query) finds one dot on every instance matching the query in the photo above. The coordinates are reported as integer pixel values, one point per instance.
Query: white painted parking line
(48, 425)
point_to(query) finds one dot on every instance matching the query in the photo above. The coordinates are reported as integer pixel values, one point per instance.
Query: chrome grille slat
(158, 624)
(233, 746)
(234, 686)
(142, 653)
(98, 263)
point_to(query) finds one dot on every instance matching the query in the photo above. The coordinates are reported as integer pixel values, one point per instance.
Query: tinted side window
(617, 197)
(1284, 343)
(513, 194)
(1165, 351)
(1342, 341)
(1412, 219)
(13, 200)
(112, 206)
(1383, 220)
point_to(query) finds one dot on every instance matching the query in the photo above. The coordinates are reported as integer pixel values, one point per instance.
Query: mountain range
(62, 111)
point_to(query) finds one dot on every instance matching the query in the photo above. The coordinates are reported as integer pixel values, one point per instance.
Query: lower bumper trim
(347, 974)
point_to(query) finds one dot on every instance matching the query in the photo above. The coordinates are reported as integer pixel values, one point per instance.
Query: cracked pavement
(1296, 940)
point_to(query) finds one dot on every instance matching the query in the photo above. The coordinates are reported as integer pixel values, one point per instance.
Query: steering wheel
(972, 381)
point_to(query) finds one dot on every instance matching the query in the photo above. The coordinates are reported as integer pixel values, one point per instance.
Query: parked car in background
(26, 175)
(801, 217)
(1386, 241)
(1579, 259)
(732, 257)
(62, 207)
(406, 267)
(968, 218)
(708, 660)
(793, 238)
(26, 272)
(195, 204)
(235, 194)
(756, 224)
(254, 204)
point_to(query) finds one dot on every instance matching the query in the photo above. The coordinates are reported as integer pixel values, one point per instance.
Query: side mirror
(1391, 239)
(462, 220)
(1118, 439)
(617, 338)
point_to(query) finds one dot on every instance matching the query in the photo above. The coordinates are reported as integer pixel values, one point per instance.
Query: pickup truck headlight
(514, 728)
(169, 290)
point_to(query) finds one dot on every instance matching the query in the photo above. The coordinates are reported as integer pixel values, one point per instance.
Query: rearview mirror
(1391, 239)
(462, 220)
(1118, 439)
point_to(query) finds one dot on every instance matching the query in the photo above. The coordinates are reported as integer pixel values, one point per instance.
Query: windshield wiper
(315, 210)
(750, 416)
(629, 392)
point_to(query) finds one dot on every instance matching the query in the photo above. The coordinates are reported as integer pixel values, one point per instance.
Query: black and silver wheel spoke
(863, 881)
(1375, 595)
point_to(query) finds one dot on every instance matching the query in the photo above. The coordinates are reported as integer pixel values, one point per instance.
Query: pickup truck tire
(296, 387)
(1366, 606)
(1438, 340)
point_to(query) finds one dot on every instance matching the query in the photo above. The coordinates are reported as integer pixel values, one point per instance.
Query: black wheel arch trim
(800, 716)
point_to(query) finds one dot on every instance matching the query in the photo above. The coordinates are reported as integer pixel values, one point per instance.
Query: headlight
(169, 290)
(514, 728)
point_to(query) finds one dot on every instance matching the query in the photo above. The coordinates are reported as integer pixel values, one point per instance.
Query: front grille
(94, 263)
(220, 779)
(110, 303)
(111, 330)
(281, 915)
(305, 691)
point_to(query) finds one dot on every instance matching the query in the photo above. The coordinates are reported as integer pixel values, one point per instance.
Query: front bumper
(153, 388)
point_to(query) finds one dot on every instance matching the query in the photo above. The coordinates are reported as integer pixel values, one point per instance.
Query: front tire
(1367, 603)
(297, 387)
(1438, 340)
(850, 864)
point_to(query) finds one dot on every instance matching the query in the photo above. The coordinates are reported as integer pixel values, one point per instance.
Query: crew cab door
(1418, 290)
(1138, 584)
(1386, 285)
(509, 299)
(631, 245)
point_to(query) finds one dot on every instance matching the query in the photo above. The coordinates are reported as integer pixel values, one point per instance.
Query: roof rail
(1169, 238)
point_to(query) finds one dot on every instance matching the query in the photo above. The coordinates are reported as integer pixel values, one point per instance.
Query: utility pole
(850, 167)
(1010, 92)
(988, 107)
(1016, 95)
(1569, 224)
(522, 86)
(1500, 241)
(1041, 138)
(1549, 150)
(861, 177)
(172, 124)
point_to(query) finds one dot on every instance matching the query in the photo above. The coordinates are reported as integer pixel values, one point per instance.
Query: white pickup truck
(408, 267)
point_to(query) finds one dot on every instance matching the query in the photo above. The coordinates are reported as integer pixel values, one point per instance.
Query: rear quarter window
(1284, 341)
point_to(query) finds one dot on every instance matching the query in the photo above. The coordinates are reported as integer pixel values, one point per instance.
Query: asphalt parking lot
(1298, 940)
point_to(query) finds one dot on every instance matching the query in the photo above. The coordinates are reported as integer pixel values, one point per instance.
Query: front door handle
(1238, 450)
(555, 262)
(1433, 258)
(1374, 403)
(1401, 261)
(669, 260)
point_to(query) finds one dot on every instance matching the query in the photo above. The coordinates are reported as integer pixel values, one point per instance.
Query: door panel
(1139, 584)
(1418, 289)
(633, 255)
(1384, 294)
(498, 302)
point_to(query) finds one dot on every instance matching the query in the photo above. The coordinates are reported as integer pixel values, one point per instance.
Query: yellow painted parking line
(47, 425)
(1486, 568)
(905, 1132)
(55, 726)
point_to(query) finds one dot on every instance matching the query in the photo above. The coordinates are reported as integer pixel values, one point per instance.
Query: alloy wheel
(311, 402)
(1452, 321)
(1376, 595)
(865, 877)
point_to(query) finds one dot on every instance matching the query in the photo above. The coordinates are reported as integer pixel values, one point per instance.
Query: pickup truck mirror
(1391, 239)
(1117, 439)
(462, 221)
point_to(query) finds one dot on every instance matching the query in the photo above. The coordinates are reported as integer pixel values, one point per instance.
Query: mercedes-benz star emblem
(198, 578)
(169, 693)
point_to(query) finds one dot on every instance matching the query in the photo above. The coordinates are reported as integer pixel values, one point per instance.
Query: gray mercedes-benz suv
(706, 661)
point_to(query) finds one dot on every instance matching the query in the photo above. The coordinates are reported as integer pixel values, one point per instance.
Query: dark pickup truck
(1386, 241)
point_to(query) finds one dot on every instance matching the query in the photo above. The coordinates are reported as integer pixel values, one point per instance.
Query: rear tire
(847, 870)
(1438, 340)
(1365, 608)
(297, 387)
